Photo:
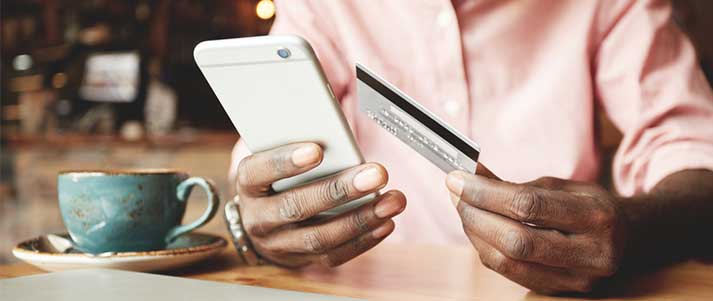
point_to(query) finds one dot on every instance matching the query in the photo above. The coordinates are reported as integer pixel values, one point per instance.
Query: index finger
(541, 207)
(304, 202)
(258, 171)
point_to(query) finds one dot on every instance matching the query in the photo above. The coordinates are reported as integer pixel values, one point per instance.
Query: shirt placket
(452, 98)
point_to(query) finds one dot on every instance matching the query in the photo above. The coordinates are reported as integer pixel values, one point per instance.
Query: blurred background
(112, 84)
(109, 84)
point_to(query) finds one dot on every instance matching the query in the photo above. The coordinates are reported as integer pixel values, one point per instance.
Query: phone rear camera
(283, 53)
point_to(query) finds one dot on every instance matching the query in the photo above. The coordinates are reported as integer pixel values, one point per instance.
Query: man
(523, 79)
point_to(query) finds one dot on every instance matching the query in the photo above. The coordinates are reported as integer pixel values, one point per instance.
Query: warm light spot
(59, 80)
(265, 9)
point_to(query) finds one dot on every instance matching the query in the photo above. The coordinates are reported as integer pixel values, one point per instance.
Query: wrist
(631, 219)
(661, 225)
(642, 227)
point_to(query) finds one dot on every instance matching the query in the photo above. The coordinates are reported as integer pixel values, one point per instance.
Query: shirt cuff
(677, 157)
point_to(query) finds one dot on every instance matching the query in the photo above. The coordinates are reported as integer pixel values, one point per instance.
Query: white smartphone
(275, 93)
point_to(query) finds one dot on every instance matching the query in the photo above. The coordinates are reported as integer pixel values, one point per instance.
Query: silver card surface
(414, 125)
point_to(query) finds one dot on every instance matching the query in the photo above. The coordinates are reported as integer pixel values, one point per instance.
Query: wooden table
(401, 272)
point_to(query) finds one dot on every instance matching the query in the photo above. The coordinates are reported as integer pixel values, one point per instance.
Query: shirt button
(452, 108)
(444, 18)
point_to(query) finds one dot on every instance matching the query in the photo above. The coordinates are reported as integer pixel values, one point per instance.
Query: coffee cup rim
(123, 171)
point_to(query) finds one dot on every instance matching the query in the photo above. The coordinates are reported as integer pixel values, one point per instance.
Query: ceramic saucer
(45, 253)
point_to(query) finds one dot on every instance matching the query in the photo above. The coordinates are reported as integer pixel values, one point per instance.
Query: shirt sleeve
(649, 83)
(302, 19)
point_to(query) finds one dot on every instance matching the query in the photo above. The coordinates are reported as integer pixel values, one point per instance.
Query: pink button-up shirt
(524, 80)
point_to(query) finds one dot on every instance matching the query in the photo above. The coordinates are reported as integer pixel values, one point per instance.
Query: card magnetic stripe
(434, 125)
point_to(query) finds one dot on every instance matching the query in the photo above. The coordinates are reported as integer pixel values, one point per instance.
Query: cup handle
(183, 190)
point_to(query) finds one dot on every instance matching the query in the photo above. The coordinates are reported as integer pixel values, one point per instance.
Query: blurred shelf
(179, 139)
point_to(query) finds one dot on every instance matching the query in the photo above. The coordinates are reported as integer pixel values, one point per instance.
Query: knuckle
(278, 163)
(269, 247)
(609, 268)
(245, 174)
(293, 206)
(250, 225)
(359, 221)
(608, 265)
(517, 244)
(549, 182)
(485, 259)
(467, 216)
(357, 245)
(469, 231)
(253, 228)
(525, 204)
(583, 285)
(544, 290)
(334, 190)
(604, 216)
(328, 260)
(500, 263)
(315, 242)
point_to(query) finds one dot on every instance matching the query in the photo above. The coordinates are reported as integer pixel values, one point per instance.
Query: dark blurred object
(53, 52)
(73, 56)
(182, 24)
(106, 63)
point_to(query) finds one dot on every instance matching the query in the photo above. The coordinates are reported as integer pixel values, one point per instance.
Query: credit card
(414, 125)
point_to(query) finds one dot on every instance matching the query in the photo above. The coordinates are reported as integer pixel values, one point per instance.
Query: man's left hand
(550, 235)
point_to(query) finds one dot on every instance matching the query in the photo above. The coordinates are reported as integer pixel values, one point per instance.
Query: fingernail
(454, 199)
(383, 230)
(305, 155)
(455, 184)
(368, 179)
(387, 207)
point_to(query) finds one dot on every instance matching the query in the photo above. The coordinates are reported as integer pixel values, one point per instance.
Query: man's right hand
(275, 221)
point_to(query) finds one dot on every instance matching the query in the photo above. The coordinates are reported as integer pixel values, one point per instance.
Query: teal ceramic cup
(129, 210)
